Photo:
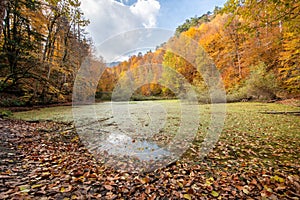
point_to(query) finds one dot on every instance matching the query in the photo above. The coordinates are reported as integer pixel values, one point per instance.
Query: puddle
(120, 145)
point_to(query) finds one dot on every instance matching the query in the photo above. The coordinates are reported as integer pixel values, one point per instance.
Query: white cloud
(122, 45)
(109, 18)
(124, 1)
(147, 10)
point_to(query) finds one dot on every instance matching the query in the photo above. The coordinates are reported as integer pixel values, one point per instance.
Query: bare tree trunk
(2, 14)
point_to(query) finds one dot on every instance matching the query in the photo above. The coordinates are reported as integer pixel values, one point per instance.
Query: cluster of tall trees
(141, 69)
(42, 45)
(254, 44)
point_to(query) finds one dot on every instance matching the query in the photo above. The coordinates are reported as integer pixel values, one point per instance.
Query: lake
(140, 132)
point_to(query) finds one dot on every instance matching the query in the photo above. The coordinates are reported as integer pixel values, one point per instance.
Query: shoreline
(290, 102)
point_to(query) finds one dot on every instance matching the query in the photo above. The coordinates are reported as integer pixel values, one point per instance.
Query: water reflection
(119, 144)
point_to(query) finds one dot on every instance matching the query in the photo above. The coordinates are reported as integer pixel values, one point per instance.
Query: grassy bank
(257, 157)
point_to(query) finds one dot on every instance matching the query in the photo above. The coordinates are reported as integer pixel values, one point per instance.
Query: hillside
(255, 47)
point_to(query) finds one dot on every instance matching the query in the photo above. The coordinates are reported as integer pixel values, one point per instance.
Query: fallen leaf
(278, 179)
(36, 186)
(245, 191)
(187, 196)
(108, 187)
(214, 193)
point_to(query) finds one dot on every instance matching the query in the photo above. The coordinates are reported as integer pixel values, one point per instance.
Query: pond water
(140, 134)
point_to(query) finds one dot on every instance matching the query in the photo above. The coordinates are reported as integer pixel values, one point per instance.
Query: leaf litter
(46, 160)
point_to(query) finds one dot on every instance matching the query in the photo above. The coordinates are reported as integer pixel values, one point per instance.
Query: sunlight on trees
(43, 44)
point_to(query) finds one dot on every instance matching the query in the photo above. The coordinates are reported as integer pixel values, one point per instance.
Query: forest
(43, 44)
(254, 44)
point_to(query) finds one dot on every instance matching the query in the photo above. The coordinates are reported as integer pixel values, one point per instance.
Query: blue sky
(112, 19)
(175, 12)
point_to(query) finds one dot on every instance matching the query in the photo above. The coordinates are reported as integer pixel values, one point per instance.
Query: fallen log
(297, 113)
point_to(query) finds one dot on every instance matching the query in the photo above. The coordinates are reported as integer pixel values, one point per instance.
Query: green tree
(261, 83)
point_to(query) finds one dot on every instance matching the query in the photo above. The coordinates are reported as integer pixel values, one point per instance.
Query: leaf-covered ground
(257, 157)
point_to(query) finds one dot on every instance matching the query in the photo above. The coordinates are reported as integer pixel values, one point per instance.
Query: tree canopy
(240, 38)
(42, 45)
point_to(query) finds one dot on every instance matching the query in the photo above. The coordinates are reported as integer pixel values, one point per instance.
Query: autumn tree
(272, 36)
(2, 14)
(238, 38)
(42, 46)
(290, 55)
(20, 44)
